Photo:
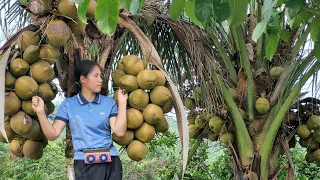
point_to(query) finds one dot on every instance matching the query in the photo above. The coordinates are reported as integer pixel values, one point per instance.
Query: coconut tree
(247, 61)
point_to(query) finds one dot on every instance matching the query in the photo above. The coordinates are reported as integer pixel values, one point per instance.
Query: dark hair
(83, 68)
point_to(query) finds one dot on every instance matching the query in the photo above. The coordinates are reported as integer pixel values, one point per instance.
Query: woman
(91, 117)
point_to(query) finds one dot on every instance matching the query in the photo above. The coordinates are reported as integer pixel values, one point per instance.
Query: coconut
(9, 132)
(32, 149)
(49, 53)
(137, 150)
(40, 136)
(243, 113)
(262, 105)
(212, 136)
(191, 117)
(226, 138)
(167, 106)
(194, 131)
(138, 99)
(309, 157)
(45, 92)
(50, 107)
(58, 32)
(39, 7)
(119, 64)
(26, 87)
(27, 107)
(19, 67)
(12, 103)
(77, 27)
(134, 118)
(54, 88)
(145, 133)
(68, 8)
(147, 79)
(190, 103)
(198, 91)
(21, 123)
(31, 54)
(160, 95)
(34, 130)
(316, 155)
(132, 64)
(200, 121)
(124, 140)
(10, 80)
(303, 131)
(313, 122)
(40, 71)
(128, 83)
(215, 124)
(153, 114)
(276, 72)
(27, 38)
(116, 75)
(91, 10)
(16, 147)
(162, 126)
(309, 143)
(161, 79)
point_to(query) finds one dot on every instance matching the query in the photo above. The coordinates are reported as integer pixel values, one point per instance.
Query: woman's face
(93, 81)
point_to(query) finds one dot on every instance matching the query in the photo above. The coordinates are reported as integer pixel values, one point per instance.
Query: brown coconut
(21, 123)
(128, 83)
(12, 103)
(27, 38)
(10, 80)
(32, 149)
(9, 132)
(124, 140)
(134, 118)
(58, 32)
(19, 67)
(116, 75)
(153, 114)
(161, 79)
(16, 147)
(137, 151)
(26, 87)
(45, 92)
(27, 107)
(31, 54)
(68, 8)
(162, 126)
(40, 71)
(49, 53)
(34, 130)
(132, 64)
(160, 95)
(147, 79)
(138, 99)
(145, 133)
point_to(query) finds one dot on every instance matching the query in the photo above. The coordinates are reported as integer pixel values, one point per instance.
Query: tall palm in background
(216, 57)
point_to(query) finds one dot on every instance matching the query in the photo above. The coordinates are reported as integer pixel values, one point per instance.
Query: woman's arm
(119, 123)
(51, 131)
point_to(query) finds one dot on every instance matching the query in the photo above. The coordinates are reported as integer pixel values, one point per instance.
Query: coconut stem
(275, 125)
(244, 141)
(248, 71)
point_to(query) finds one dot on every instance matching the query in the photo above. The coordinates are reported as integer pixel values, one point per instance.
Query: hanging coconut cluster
(148, 101)
(29, 72)
(306, 120)
(205, 124)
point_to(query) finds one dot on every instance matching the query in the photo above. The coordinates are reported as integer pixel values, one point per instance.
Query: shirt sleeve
(62, 113)
(114, 110)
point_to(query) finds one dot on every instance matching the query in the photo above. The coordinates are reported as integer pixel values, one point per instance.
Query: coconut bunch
(148, 102)
(27, 75)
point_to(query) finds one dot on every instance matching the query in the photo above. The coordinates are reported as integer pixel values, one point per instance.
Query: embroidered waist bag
(97, 155)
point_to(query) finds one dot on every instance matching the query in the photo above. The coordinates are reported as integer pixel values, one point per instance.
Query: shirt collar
(83, 100)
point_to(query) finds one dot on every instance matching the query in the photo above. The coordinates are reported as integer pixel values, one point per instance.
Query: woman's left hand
(122, 96)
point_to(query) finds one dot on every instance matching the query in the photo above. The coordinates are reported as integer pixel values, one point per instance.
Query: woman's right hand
(38, 104)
